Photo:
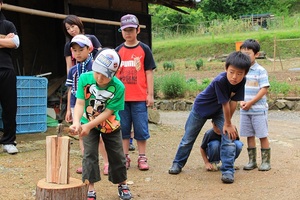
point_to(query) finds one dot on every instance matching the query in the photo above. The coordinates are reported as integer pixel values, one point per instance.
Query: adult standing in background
(72, 26)
(8, 87)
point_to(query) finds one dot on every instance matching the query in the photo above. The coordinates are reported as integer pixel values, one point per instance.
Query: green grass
(195, 46)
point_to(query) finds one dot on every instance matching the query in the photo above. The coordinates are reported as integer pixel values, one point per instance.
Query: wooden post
(58, 185)
(274, 53)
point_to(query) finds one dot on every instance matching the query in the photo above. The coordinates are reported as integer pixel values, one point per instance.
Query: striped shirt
(257, 78)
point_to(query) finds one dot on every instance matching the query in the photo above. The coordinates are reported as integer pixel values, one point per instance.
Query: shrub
(279, 87)
(156, 86)
(173, 85)
(199, 63)
(169, 65)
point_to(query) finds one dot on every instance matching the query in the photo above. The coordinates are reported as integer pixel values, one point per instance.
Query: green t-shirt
(98, 99)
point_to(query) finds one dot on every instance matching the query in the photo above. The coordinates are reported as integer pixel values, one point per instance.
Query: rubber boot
(265, 157)
(252, 159)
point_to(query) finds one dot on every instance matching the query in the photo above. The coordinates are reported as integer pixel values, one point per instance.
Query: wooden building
(42, 38)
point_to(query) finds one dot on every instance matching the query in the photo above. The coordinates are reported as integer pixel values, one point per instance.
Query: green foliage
(156, 86)
(173, 85)
(199, 63)
(279, 87)
(169, 65)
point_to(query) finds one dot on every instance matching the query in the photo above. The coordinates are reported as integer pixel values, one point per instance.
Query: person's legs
(8, 100)
(90, 161)
(213, 151)
(193, 127)
(139, 114)
(238, 148)
(104, 156)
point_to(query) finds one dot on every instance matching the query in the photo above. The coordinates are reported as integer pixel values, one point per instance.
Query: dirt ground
(20, 173)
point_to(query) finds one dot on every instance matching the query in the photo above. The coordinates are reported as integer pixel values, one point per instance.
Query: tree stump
(74, 190)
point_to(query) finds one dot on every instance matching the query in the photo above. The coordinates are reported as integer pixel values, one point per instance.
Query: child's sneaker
(91, 195)
(142, 163)
(124, 192)
(128, 160)
(131, 147)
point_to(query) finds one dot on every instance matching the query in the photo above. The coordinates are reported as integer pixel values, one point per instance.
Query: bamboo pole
(57, 15)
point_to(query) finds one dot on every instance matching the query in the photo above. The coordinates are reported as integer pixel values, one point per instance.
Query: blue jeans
(193, 127)
(213, 150)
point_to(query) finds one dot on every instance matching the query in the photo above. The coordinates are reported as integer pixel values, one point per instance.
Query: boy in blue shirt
(100, 97)
(210, 148)
(217, 102)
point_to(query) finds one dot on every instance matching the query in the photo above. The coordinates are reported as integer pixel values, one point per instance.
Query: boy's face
(235, 75)
(80, 53)
(251, 54)
(130, 34)
(101, 80)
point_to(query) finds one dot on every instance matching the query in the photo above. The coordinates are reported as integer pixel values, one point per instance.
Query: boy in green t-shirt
(100, 96)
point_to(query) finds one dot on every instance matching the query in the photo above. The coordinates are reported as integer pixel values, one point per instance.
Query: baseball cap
(129, 21)
(107, 62)
(81, 40)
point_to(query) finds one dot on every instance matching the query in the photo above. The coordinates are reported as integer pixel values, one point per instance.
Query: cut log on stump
(75, 190)
(57, 159)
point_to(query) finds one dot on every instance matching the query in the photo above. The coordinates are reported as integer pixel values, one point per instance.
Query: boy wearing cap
(136, 72)
(100, 97)
(81, 47)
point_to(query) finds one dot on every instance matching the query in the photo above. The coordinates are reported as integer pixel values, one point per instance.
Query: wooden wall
(42, 38)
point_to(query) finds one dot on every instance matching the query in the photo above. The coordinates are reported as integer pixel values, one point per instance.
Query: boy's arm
(68, 117)
(76, 128)
(208, 166)
(246, 105)
(95, 122)
(228, 128)
(150, 86)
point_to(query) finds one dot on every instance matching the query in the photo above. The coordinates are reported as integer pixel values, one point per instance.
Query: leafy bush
(169, 65)
(173, 85)
(279, 87)
(199, 63)
(156, 86)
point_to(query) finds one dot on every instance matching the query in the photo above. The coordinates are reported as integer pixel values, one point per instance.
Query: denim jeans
(213, 150)
(193, 127)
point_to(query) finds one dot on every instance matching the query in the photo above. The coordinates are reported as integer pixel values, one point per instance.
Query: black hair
(72, 20)
(238, 60)
(251, 44)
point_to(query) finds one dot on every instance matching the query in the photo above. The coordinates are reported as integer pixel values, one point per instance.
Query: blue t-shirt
(73, 78)
(209, 101)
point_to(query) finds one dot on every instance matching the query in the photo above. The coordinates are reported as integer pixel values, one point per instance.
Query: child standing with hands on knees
(254, 109)
(100, 97)
(217, 102)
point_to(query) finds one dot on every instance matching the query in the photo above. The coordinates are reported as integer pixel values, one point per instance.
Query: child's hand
(149, 101)
(84, 130)
(245, 105)
(75, 129)
(68, 117)
(231, 131)
(208, 166)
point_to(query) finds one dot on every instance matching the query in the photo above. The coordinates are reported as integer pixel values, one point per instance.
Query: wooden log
(57, 159)
(75, 190)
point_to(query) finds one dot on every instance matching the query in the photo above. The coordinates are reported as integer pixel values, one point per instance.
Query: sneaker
(105, 170)
(124, 192)
(142, 163)
(131, 147)
(10, 148)
(227, 178)
(128, 160)
(91, 195)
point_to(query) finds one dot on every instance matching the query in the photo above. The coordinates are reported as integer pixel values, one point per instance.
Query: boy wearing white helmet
(100, 97)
